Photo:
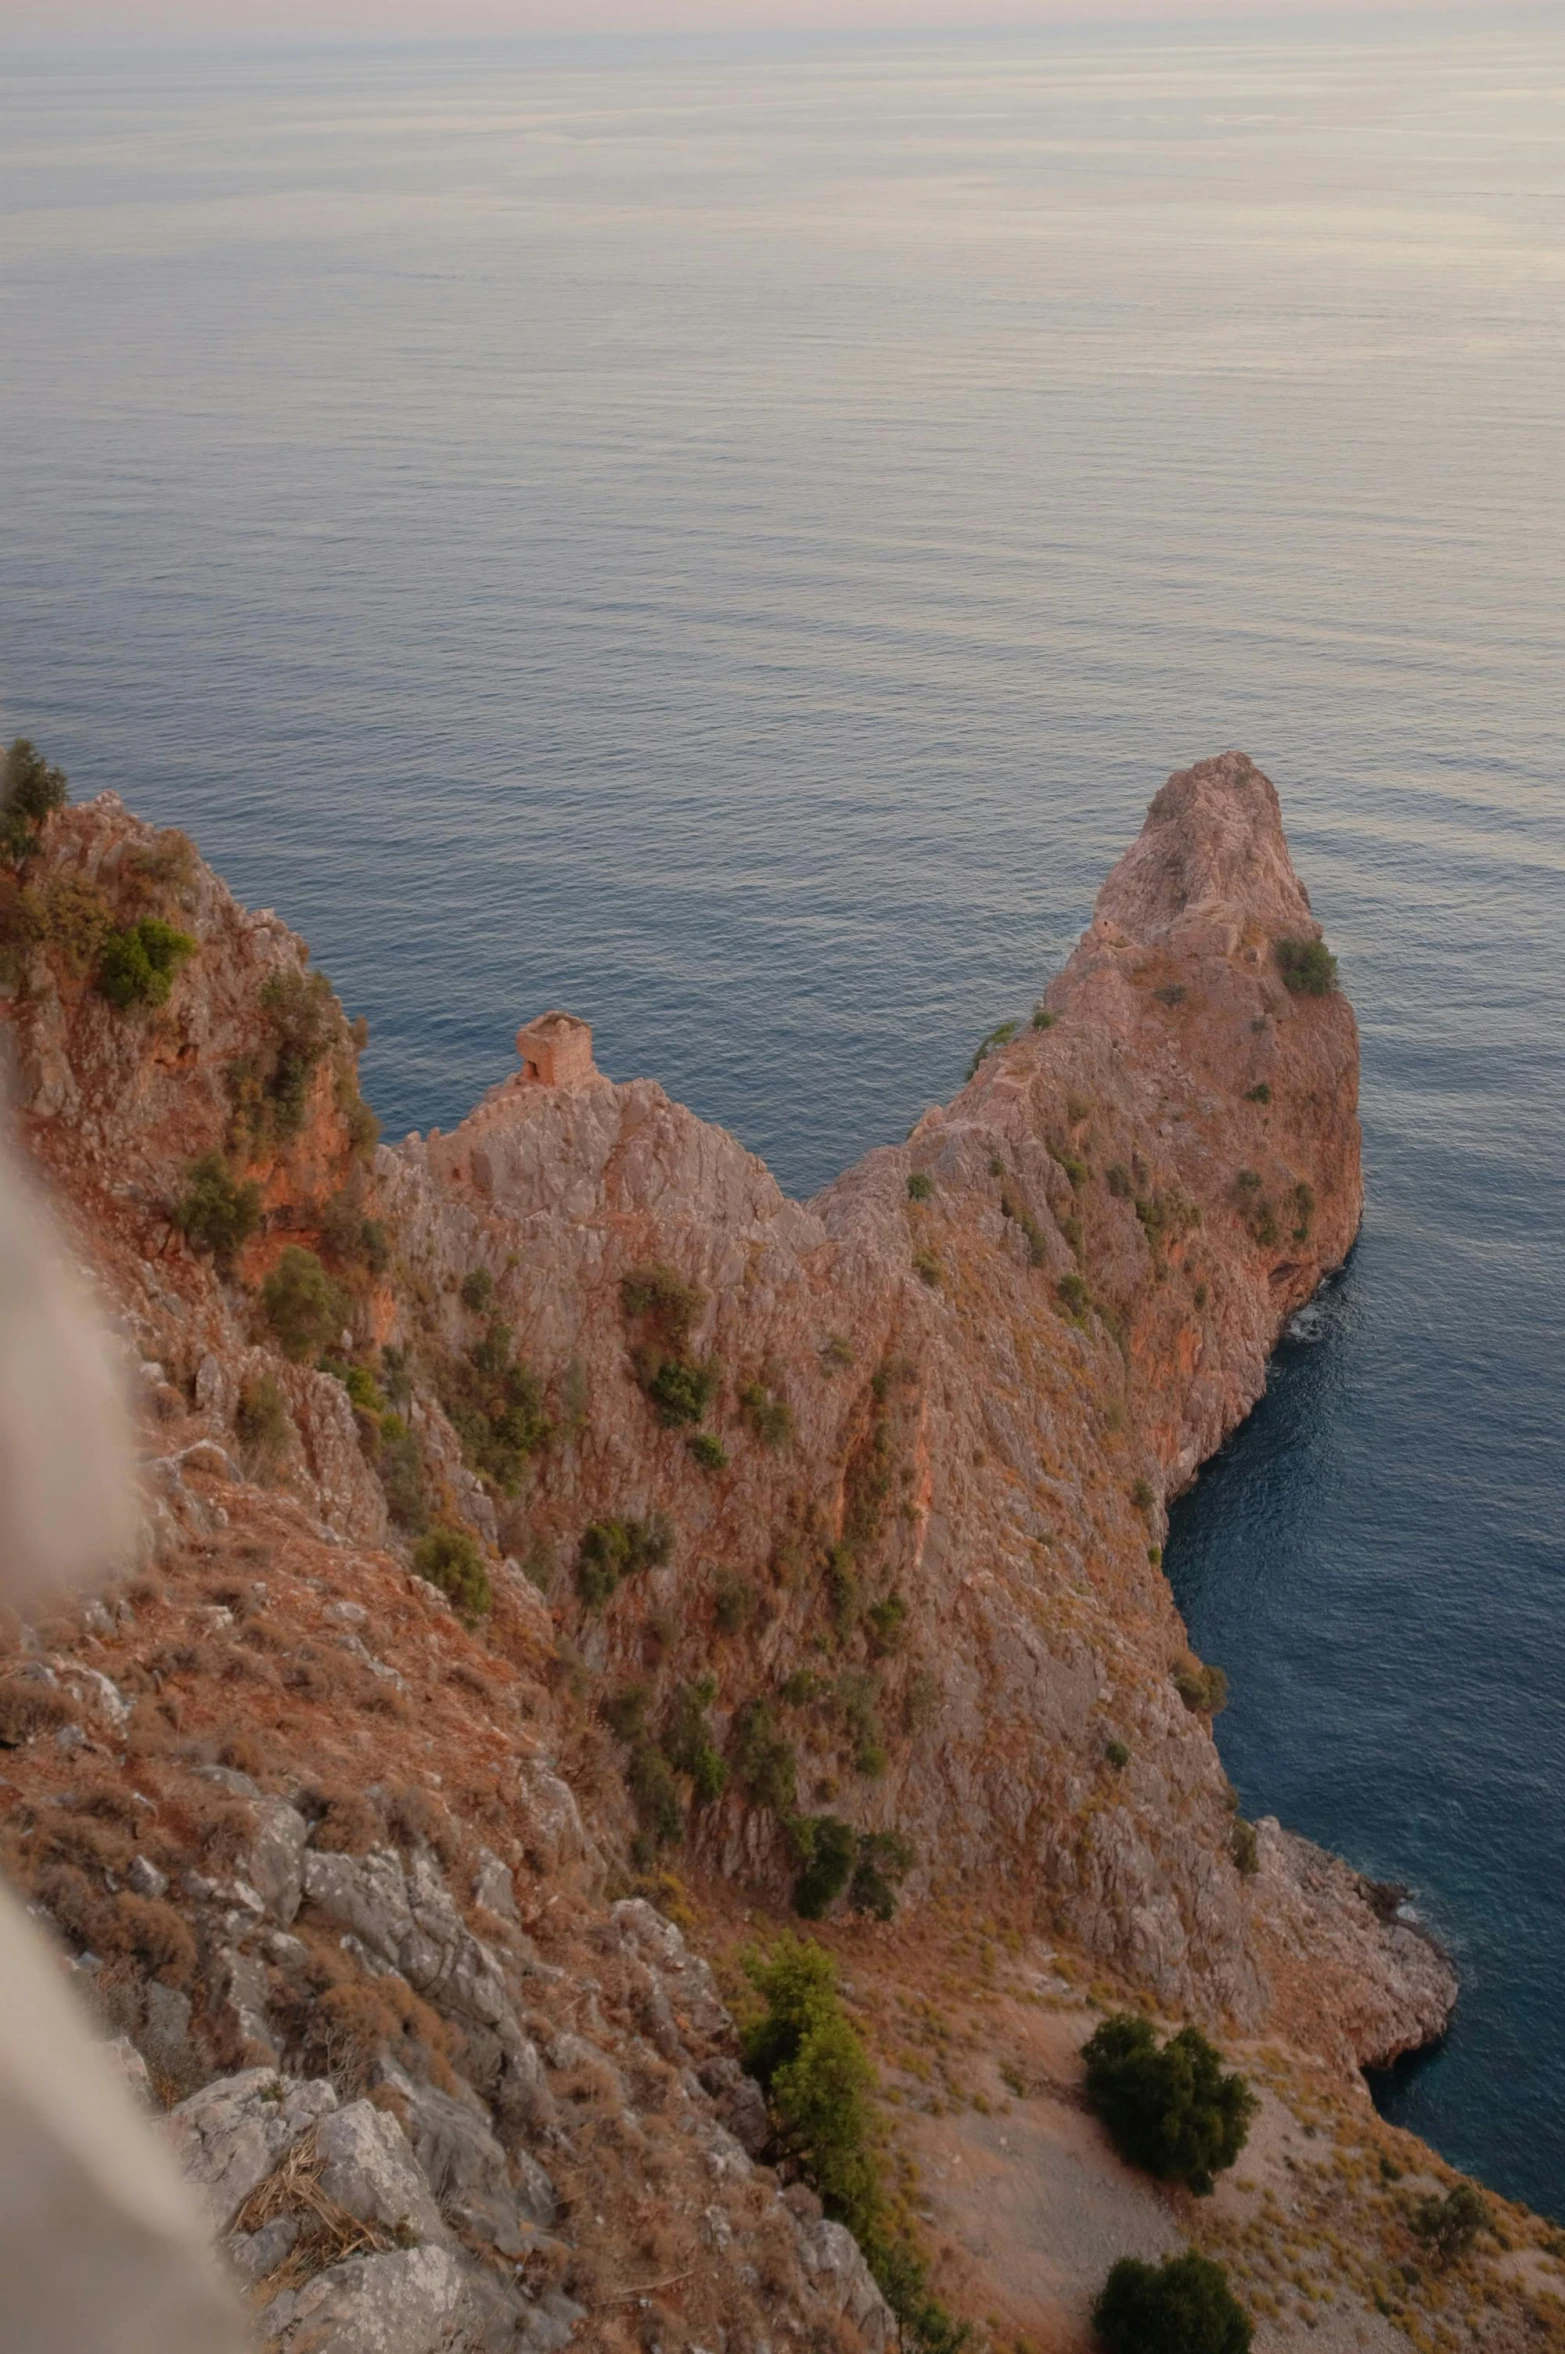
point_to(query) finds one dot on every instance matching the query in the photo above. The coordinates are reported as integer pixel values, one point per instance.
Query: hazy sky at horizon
(118, 24)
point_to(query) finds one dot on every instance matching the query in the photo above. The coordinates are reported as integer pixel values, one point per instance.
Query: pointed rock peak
(1212, 847)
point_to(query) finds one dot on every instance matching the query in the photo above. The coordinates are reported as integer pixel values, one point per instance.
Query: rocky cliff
(808, 1551)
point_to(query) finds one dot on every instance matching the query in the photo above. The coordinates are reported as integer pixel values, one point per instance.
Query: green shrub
(450, 1559)
(64, 914)
(270, 1087)
(708, 1450)
(1260, 1094)
(769, 1416)
(1203, 1689)
(1449, 2226)
(662, 1309)
(477, 1290)
(495, 1405)
(1117, 1179)
(687, 1740)
(30, 786)
(302, 1305)
(625, 1712)
(829, 1848)
(262, 1423)
(1182, 2306)
(136, 966)
(1170, 2110)
(927, 1268)
(682, 1388)
(613, 1550)
(837, 1352)
(217, 1212)
(818, 2080)
(842, 1589)
(399, 1466)
(887, 1622)
(655, 1794)
(763, 1759)
(1141, 1495)
(1117, 1754)
(1000, 1036)
(1303, 1210)
(660, 1300)
(1307, 966)
(1074, 1296)
(817, 2077)
(1242, 1847)
(883, 1861)
(919, 1187)
(734, 1602)
(1042, 1019)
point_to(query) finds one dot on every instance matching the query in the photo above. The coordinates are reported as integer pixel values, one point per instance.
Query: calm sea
(728, 540)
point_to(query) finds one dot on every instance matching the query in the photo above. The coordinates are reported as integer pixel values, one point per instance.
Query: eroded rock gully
(849, 1508)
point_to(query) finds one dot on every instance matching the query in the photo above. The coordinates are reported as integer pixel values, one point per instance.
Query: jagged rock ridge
(936, 1415)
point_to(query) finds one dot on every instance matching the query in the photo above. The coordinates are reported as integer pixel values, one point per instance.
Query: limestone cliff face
(836, 1520)
(992, 1377)
(940, 1407)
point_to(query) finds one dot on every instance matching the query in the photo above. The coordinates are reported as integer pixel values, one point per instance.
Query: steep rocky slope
(795, 1543)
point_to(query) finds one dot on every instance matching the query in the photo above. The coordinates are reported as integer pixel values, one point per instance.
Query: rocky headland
(564, 1555)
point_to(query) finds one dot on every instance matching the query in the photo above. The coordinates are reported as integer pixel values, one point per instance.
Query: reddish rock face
(908, 1445)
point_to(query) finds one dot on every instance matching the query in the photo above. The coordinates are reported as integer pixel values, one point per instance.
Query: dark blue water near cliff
(729, 541)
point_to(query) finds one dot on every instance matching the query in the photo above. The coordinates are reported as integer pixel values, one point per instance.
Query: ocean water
(728, 539)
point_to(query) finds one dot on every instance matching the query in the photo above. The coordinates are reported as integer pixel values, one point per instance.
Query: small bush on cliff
(769, 1416)
(136, 966)
(613, 1550)
(1449, 2226)
(477, 1290)
(764, 1759)
(217, 1212)
(302, 1304)
(869, 1865)
(708, 1450)
(1171, 2110)
(1203, 1689)
(920, 1187)
(30, 787)
(399, 1466)
(883, 1862)
(687, 1740)
(1001, 1035)
(661, 1308)
(735, 1602)
(829, 1847)
(655, 1794)
(1242, 1846)
(1182, 2306)
(1307, 966)
(495, 1405)
(450, 1559)
(1074, 1297)
(682, 1388)
(269, 1088)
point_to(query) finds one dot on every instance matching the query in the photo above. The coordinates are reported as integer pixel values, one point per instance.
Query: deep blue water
(729, 540)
